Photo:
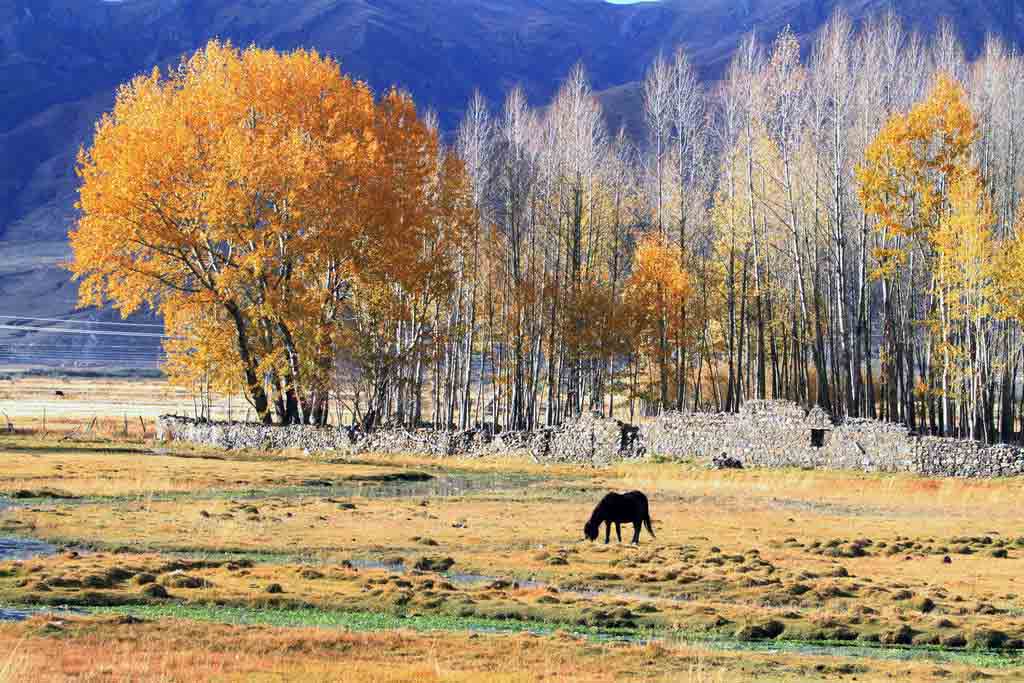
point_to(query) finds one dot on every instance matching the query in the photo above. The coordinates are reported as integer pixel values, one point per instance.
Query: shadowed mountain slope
(61, 61)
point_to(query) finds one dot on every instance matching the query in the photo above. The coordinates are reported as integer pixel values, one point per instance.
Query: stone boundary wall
(587, 440)
(938, 457)
(762, 434)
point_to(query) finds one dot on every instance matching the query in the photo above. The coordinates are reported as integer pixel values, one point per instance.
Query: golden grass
(100, 579)
(900, 494)
(15, 665)
(738, 555)
(122, 468)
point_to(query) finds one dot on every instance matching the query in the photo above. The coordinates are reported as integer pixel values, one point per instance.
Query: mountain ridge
(61, 61)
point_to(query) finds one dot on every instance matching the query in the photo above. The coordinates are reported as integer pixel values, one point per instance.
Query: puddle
(14, 548)
(23, 613)
(15, 614)
(401, 485)
(481, 579)
(24, 548)
(460, 578)
(393, 567)
(441, 486)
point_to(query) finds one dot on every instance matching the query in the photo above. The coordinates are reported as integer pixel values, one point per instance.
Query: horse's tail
(646, 512)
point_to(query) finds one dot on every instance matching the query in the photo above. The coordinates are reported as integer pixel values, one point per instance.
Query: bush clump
(987, 639)
(763, 631)
(434, 564)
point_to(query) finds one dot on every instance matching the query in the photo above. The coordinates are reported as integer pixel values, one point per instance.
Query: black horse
(618, 509)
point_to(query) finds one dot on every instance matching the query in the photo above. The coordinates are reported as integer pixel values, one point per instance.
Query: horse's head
(590, 530)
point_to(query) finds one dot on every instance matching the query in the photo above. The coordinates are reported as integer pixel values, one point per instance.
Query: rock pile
(724, 462)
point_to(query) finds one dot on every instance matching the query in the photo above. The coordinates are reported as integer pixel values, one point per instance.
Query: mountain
(61, 61)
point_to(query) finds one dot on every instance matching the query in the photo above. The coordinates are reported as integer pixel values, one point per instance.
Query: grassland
(187, 564)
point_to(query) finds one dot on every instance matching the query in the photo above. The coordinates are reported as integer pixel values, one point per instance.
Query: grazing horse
(618, 509)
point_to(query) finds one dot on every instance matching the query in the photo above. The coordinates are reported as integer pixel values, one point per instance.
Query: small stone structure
(782, 434)
(762, 434)
(772, 434)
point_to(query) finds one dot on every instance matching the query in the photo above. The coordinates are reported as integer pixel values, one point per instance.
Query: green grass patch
(377, 621)
(350, 621)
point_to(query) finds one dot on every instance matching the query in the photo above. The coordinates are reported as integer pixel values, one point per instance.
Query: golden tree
(912, 166)
(921, 184)
(255, 189)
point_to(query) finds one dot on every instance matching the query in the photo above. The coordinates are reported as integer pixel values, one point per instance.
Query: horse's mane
(595, 516)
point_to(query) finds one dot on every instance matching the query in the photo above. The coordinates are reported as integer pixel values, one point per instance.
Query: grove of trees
(835, 225)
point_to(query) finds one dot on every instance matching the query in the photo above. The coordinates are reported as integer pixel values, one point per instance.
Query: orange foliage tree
(250, 197)
(656, 296)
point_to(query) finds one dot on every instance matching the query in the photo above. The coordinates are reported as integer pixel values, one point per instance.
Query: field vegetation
(181, 562)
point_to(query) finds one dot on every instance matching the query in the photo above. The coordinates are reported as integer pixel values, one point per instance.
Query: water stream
(21, 549)
(480, 580)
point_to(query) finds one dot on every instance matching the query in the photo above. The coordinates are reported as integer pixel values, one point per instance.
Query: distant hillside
(61, 60)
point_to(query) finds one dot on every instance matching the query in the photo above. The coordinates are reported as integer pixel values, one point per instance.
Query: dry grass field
(31, 403)
(187, 564)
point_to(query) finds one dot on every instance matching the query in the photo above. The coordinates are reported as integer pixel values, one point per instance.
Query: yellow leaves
(966, 251)
(915, 158)
(659, 288)
(1009, 267)
(597, 324)
(920, 182)
(266, 182)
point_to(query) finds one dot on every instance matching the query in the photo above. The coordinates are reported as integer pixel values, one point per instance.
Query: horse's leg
(636, 532)
(607, 532)
(618, 530)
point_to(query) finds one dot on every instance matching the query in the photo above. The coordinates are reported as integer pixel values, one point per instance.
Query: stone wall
(587, 440)
(762, 434)
(937, 457)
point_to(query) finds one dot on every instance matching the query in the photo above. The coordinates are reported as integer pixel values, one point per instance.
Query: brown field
(257, 566)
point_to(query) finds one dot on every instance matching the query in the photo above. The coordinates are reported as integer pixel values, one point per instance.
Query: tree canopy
(838, 225)
(265, 204)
